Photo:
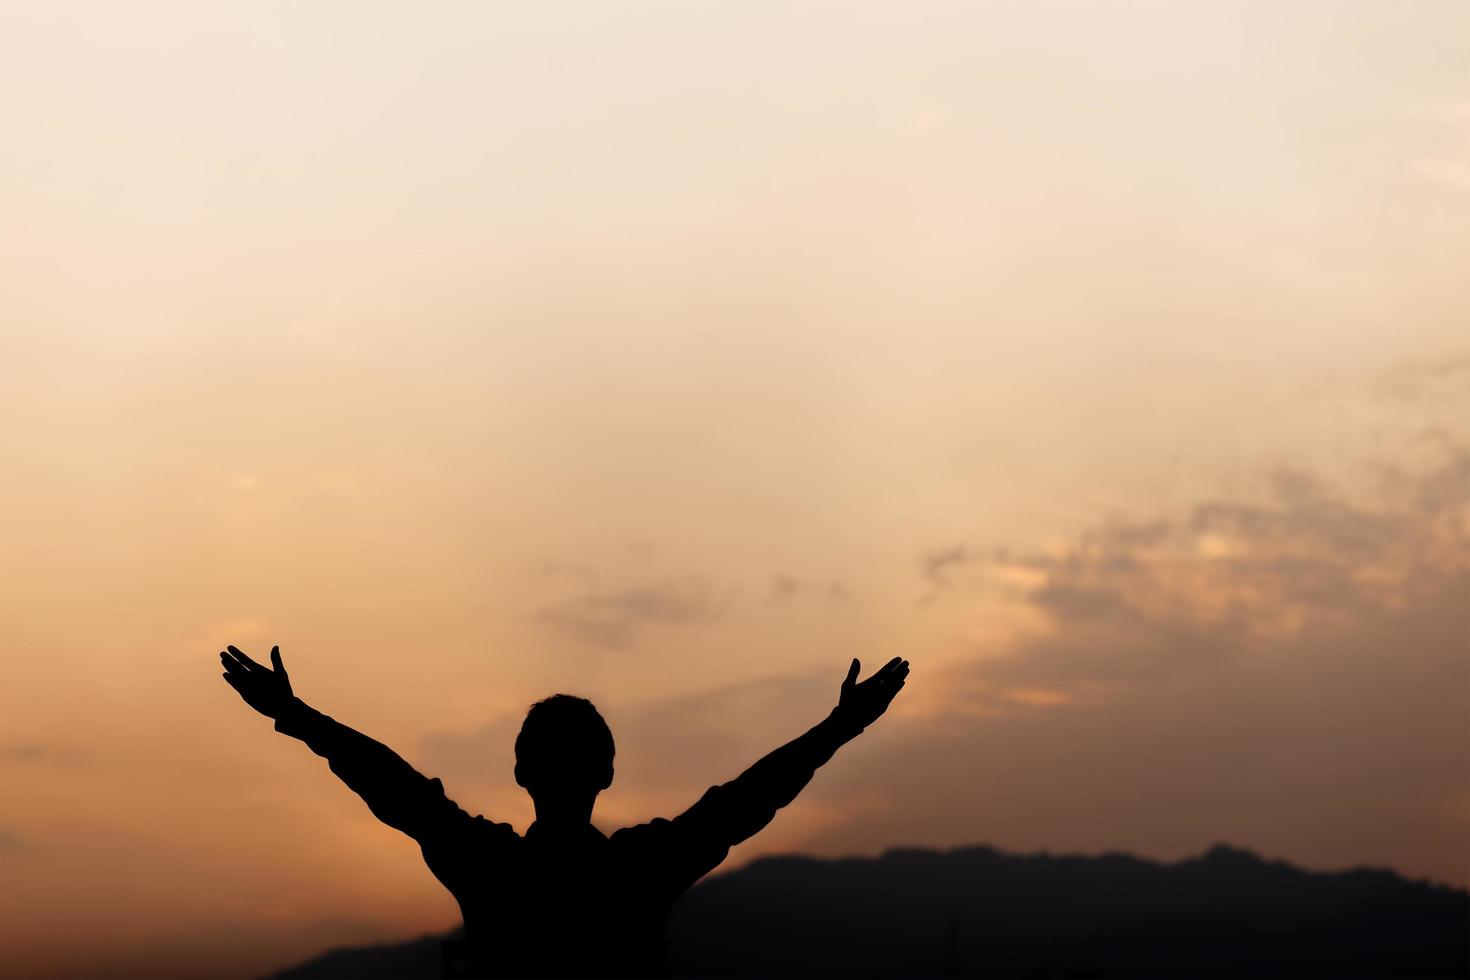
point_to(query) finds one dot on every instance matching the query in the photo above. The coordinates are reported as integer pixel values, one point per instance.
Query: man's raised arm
(730, 813)
(397, 794)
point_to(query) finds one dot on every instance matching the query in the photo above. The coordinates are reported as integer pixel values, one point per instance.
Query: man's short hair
(564, 741)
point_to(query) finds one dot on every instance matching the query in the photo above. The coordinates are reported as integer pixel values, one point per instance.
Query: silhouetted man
(564, 900)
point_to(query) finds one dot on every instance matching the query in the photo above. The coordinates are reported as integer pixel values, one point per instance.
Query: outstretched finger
(276, 659)
(852, 673)
(882, 674)
(233, 664)
(251, 664)
(893, 677)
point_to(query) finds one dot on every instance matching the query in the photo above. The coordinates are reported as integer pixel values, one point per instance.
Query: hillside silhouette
(977, 912)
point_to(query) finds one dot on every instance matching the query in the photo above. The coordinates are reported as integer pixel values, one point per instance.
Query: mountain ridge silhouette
(979, 912)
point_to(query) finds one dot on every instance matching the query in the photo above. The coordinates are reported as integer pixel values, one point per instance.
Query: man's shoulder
(485, 827)
(653, 834)
(639, 831)
(471, 836)
(690, 819)
(476, 832)
(675, 853)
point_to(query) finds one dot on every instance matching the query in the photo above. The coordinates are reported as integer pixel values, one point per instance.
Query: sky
(1109, 362)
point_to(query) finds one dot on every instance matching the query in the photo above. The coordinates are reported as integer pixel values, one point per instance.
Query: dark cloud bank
(1292, 672)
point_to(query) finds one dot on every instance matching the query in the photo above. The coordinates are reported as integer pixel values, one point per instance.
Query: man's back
(567, 903)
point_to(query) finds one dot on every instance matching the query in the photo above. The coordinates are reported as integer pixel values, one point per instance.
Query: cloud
(934, 564)
(38, 753)
(613, 619)
(483, 756)
(1288, 671)
(1134, 598)
(1432, 378)
(713, 735)
(1336, 746)
(24, 752)
(939, 567)
(785, 587)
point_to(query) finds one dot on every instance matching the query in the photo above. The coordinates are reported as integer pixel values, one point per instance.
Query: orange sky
(1109, 362)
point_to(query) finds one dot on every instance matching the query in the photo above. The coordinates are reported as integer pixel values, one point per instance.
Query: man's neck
(562, 815)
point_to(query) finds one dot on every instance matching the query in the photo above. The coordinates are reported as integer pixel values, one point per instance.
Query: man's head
(564, 750)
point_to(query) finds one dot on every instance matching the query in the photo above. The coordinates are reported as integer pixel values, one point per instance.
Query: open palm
(863, 703)
(267, 691)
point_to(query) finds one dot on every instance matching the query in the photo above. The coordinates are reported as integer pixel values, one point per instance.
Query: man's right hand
(862, 703)
(267, 691)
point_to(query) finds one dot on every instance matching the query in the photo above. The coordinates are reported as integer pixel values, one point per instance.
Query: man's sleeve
(732, 812)
(394, 791)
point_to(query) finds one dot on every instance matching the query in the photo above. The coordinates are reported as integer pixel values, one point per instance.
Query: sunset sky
(1108, 361)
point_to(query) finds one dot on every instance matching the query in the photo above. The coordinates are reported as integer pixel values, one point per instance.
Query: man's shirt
(573, 903)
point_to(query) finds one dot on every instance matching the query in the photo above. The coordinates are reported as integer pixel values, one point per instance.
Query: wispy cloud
(1133, 597)
(1430, 378)
(24, 752)
(934, 564)
(614, 618)
(785, 588)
